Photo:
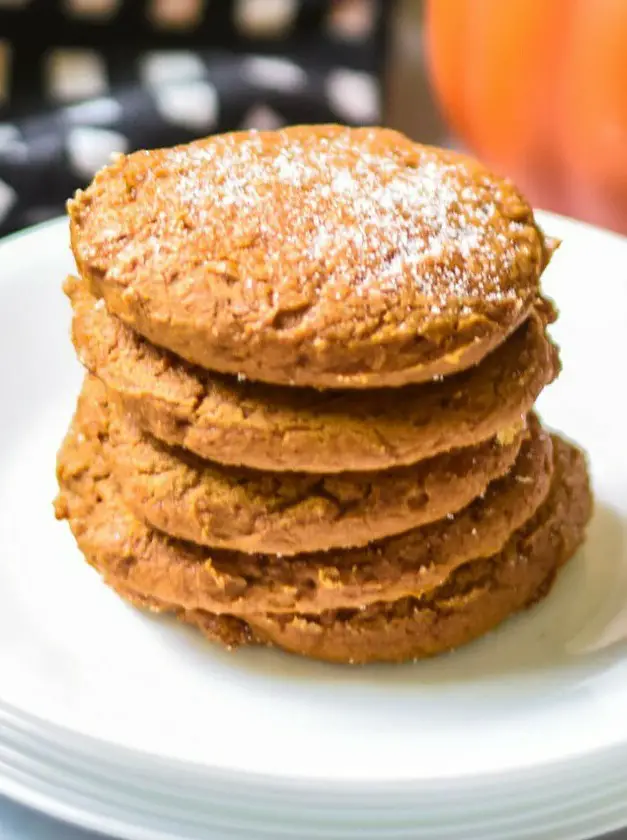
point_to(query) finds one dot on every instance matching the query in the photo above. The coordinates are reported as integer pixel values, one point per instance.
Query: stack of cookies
(312, 357)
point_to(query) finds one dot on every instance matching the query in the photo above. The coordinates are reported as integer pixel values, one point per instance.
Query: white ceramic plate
(521, 734)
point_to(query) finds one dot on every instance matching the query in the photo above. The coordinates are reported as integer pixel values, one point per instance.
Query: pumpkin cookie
(285, 513)
(273, 428)
(116, 543)
(315, 256)
(474, 599)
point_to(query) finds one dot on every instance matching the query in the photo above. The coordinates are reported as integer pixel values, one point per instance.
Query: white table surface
(17, 823)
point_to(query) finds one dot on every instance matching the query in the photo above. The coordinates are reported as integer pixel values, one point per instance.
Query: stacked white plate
(137, 727)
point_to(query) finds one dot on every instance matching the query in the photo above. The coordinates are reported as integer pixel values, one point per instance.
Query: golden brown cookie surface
(318, 256)
(474, 599)
(275, 428)
(284, 513)
(413, 563)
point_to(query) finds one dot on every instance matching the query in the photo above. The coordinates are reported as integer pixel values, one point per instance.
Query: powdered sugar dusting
(357, 212)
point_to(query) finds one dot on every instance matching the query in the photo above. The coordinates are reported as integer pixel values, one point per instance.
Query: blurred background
(536, 88)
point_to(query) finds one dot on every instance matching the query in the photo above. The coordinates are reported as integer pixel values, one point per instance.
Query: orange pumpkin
(538, 88)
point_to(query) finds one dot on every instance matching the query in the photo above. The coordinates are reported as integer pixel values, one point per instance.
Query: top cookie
(319, 256)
